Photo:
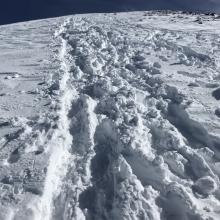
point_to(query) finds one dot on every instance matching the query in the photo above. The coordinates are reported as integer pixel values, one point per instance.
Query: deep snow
(125, 123)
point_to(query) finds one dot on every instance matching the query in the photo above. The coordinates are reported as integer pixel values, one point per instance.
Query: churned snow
(110, 116)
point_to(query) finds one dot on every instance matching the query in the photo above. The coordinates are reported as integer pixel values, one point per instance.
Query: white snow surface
(110, 117)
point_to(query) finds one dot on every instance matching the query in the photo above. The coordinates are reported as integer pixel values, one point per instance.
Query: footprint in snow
(217, 112)
(14, 157)
(216, 94)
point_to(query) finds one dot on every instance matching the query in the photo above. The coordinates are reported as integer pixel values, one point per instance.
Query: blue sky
(19, 10)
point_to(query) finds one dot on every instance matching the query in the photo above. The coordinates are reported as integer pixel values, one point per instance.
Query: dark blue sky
(21, 10)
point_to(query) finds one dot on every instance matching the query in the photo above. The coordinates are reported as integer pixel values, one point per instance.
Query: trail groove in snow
(141, 149)
(60, 143)
(58, 146)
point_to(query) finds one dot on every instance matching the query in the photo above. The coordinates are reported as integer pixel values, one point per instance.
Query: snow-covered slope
(125, 124)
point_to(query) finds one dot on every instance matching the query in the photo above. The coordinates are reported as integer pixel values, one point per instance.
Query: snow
(110, 116)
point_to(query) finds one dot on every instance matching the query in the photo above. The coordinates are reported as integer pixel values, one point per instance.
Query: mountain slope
(131, 128)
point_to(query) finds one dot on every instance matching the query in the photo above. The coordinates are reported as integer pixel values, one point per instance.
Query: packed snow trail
(125, 145)
(136, 131)
(60, 143)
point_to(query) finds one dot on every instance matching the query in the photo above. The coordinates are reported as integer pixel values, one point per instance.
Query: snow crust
(132, 129)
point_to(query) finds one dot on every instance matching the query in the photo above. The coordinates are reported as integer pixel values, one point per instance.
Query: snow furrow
(60, 144)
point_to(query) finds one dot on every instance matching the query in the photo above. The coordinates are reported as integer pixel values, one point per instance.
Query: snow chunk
(206, 185)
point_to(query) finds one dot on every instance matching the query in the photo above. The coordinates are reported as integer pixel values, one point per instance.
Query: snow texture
(111, 116)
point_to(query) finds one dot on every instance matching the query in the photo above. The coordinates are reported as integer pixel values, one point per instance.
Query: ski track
(125, 146)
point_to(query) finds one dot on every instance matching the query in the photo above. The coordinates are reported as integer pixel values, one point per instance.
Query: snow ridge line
(61, 141)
